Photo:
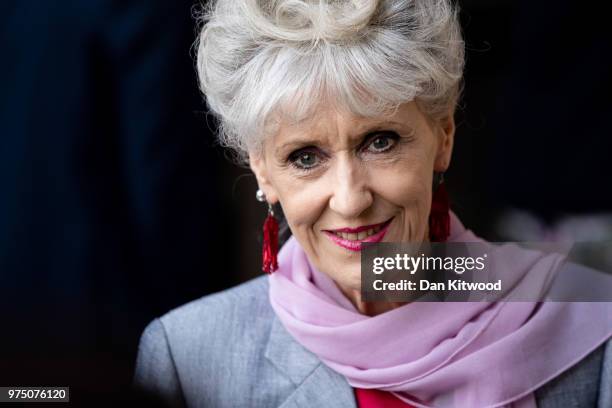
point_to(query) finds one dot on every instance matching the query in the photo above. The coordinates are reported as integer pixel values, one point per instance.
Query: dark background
(116, 206)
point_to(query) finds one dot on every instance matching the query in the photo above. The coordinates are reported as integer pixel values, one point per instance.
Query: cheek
(403, 190)
(302, 202)
(298, 214)
(407, 187)
(407, 184)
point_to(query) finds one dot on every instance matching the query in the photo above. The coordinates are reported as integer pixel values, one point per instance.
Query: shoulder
(193, 351)
(229, 310)
(605, 391)
(587, 383)
(221, 322)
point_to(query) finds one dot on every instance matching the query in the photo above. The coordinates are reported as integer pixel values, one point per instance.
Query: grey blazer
(229, 350)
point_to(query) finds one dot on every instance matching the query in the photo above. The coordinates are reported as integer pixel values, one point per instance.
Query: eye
(304, 159)
(381, 142)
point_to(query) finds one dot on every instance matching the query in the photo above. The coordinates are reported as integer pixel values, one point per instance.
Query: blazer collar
(316, 384)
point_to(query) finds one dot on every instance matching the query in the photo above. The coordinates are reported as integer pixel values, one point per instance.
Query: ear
(446, 130)
(257, 163)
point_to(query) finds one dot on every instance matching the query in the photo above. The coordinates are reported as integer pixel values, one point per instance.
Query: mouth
(352, 238)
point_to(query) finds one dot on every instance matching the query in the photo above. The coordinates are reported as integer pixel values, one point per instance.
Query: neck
(368, 308)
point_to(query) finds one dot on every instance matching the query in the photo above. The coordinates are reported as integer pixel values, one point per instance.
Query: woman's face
(343, 179)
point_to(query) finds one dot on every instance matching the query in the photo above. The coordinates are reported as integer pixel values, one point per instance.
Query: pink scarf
(436, 354)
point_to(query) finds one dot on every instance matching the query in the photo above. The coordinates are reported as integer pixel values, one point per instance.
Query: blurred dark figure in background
(556, 106)
(109, 198)
(535, 133)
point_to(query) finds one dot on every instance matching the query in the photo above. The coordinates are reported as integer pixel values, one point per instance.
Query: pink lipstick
(351, 238)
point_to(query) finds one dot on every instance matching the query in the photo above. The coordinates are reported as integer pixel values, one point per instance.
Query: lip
(359, 229)
(356, 245)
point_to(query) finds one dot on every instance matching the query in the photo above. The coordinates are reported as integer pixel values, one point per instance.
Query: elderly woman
(344, 111)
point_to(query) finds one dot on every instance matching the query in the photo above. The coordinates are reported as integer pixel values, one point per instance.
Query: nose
(351, 194)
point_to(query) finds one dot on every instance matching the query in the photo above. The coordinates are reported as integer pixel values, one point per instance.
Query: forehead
(331, 125)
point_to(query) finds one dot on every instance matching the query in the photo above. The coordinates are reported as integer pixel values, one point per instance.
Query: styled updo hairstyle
(263, 59)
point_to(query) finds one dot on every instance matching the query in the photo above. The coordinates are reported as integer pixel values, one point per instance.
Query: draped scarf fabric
(442, 354)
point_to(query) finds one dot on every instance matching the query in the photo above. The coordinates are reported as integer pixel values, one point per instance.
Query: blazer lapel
(316, 384)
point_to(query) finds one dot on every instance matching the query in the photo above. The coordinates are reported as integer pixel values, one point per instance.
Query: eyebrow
(370, 129)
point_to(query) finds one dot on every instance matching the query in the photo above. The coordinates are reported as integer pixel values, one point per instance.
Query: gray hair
(260, 58)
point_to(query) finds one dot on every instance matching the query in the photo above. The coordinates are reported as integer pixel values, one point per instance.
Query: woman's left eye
(381, 142)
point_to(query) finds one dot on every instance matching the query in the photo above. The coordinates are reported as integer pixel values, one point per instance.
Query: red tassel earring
(270, 238)
(439, 218)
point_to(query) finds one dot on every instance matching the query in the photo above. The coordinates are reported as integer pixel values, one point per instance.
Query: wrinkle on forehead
(337, 127)
(300, 110)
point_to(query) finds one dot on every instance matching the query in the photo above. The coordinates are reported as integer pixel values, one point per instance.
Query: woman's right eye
(304, 159)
